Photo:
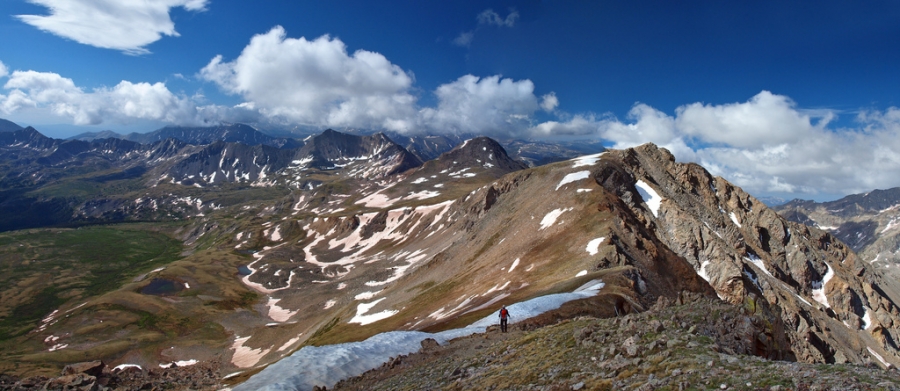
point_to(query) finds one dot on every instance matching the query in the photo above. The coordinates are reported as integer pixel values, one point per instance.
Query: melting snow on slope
(867, 320)
(890, 224)
(377, 200)
(650, 196)
(758, 263)
(245, 357)
(126, 366)
(424, 194)
(587, 160)
(593, 247)
(514, 264)
(735, 219)
(575, 176)
(276, 234)
(878, 357)
(326, 365)
(551, 217)
(290, 342)
(702, 271)
(818, 294)
(277, 313)
(183, 363)
(581, 273)
(366, 295)
(364, 319)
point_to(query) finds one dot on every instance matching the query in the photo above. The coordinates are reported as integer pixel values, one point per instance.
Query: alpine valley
(195, 258)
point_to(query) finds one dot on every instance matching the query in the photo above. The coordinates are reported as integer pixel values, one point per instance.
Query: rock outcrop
(834, 308)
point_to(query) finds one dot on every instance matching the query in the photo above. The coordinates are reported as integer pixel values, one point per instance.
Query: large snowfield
(326, 365)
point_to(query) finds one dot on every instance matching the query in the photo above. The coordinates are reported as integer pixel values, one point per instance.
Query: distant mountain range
(424, 147)
(229, 133)
(8, 126)
(869, 223)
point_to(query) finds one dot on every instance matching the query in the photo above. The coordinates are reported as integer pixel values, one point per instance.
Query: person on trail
(504, 317)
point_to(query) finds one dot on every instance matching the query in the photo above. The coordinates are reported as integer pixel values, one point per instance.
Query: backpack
(504, 313)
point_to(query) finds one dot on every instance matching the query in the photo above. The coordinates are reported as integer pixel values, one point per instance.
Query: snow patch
(246, 357)
(550, 218)
(867, 320)
(514, 264)
(734, 219)
(702, 271)
(575, 176)
(289, 343)
(126, 366)
(758, 263)
(587, 160)
(366, 295)
(581, 273)
(878, 357)
(277, 313)
(364, 319)
(818, 294)
(183, 363)
(650, 197)
(593, 247)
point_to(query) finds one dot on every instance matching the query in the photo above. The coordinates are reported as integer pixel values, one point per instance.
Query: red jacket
(504, 313)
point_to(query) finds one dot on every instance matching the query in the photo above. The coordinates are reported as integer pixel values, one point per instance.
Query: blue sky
(783, 99)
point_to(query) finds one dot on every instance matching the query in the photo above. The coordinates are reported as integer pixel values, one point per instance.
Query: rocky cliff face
(834, 308)
(866, 222)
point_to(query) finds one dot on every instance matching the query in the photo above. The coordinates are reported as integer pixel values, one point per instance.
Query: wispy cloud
(464, 39)
(490, 17)
(486, 18)
(127, 26)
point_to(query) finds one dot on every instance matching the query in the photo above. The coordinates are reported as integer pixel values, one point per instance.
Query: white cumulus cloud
(490, 105)
(766, 119)
(317, 82)
(4, 71)
(549, 102)
(111, 24)
(766, 145)
(123, 102)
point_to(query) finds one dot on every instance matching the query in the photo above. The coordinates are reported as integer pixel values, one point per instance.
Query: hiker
(504, 316)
